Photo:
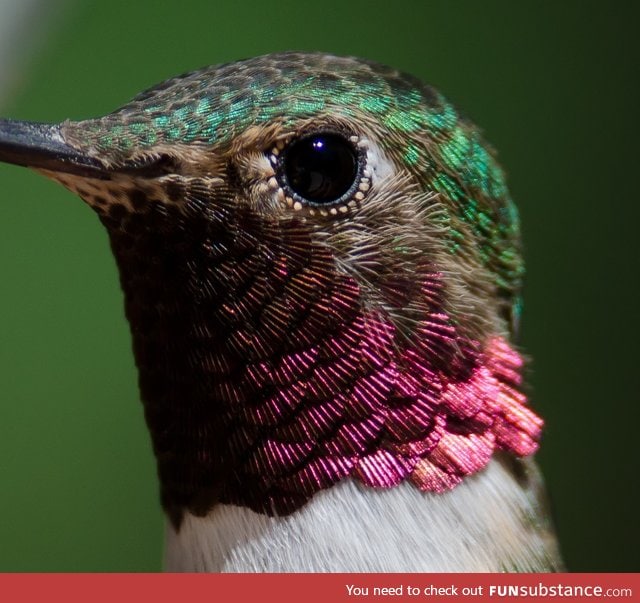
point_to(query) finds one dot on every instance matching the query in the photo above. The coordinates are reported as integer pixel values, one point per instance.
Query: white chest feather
(488, 523)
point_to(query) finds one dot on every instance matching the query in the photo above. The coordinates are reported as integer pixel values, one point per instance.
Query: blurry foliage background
(554, 86)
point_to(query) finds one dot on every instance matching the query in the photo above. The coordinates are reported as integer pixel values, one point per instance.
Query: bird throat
(266, 375)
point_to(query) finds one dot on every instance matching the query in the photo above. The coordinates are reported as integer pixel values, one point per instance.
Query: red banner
(312, 588)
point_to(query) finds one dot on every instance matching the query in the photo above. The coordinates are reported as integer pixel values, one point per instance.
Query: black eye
(321, 168)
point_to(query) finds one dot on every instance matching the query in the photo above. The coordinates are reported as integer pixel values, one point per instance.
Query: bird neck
(267, 377)
(351, 528)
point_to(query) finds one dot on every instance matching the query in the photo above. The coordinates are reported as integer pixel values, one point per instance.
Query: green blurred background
(553, 84)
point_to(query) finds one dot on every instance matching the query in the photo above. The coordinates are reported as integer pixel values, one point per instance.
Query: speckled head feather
(283, 345)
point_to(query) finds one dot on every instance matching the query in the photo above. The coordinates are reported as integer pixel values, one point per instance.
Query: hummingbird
(321, 267)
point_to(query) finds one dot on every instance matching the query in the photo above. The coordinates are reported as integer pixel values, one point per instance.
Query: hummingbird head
(321, 269)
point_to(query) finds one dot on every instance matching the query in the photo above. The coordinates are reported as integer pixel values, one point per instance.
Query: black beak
(42, 146)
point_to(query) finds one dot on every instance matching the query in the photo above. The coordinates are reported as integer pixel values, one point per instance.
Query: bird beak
(42, 146)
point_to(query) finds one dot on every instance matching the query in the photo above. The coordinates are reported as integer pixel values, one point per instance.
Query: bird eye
(321, 168)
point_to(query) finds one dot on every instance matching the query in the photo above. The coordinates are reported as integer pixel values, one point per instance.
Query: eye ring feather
(323, 170)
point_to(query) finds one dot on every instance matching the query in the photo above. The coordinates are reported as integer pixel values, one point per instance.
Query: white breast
(488, 523)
